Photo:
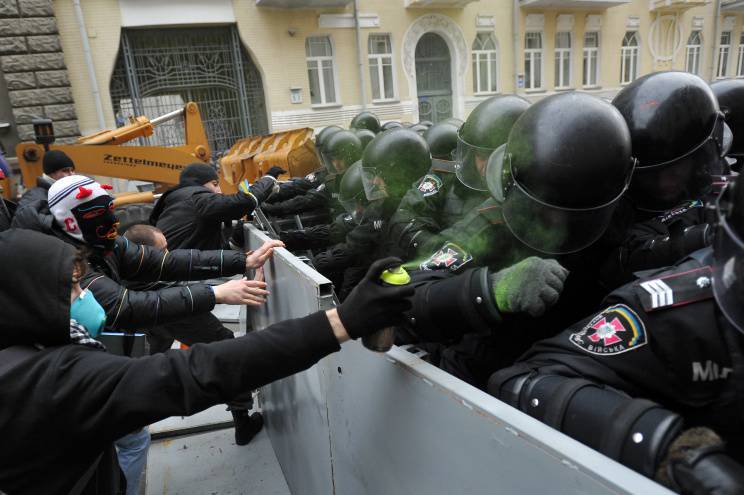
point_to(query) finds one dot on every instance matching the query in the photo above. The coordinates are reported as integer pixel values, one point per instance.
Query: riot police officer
(677, 132)
(672, 337)
(553, 197)
(452, 189)
(301, 185)
(371, 191)
(730, 96)
(365, 136)
(338, 152)
(365, 120)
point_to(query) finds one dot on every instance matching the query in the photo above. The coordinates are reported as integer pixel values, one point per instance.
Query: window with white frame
(740, 63)
(533, 60)
(562, 60)
(694, 49)
(485, 64)
(724, 49)
(381, 67)
(591, 59)
(320, 70)
(629, 58)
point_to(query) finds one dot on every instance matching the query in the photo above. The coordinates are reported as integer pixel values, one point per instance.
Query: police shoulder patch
(430, 185)
(670, 215)
(615, 330)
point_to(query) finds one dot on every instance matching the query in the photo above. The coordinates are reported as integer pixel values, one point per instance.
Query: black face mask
(97, 223)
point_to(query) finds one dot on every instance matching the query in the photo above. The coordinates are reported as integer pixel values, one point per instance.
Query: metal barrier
(365, 423)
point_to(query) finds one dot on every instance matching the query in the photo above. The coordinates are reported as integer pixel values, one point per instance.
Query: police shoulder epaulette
(442, 166)
(674, 289)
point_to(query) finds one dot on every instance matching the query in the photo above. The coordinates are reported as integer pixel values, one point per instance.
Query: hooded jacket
(61, 405)
(130, 262)
(37, 193)
(191, 216)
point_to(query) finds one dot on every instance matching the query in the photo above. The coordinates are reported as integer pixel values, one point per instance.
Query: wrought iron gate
(158, 70)
(433, 78)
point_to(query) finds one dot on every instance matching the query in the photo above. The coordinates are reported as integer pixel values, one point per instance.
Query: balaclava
(83, 209)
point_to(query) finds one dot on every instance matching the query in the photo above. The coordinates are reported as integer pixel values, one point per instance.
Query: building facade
(257, 66)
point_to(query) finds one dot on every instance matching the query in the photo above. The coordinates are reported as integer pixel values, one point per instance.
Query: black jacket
(41, 191)
(138, 310)
(64, 404)
(678, 351)
(191, 217)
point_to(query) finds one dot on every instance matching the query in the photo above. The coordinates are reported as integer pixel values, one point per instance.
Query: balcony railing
(732, 6)
(302, 4)
(675, 5)
(572, 4)
(446, 4)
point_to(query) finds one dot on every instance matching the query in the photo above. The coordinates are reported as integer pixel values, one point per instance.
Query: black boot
(246, 425)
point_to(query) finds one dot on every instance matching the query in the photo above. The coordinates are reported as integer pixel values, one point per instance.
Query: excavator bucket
(252, 157)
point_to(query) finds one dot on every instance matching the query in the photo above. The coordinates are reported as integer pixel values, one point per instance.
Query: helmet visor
(727, 141)
(375, 187)
(660, 188)
(470, 164)
(496, 178)
(728, 271)
(334, 163)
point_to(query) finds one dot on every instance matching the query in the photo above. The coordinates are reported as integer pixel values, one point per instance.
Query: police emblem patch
(615, 330)
(450, 257)
(430, 185)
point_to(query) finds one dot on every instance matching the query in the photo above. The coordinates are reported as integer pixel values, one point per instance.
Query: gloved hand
(275, 171)
(372, 306)
(696, 464)
(531, 286)
(263, 188)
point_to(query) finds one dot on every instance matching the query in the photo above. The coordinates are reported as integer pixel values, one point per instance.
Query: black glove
(263, 188)
(276, 171)
(696, 464)
(372, 306)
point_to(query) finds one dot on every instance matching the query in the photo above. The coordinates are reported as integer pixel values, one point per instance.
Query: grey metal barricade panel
(294, 409)
(365, 423)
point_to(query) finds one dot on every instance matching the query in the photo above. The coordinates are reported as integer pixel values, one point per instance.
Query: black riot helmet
(486, 128)
(324, 135)
(366, 120)
(561, 173)
(419, 128)
(351, 192)
(442, 140)
(677, 133)
(341, 150)
(365, 136)
(730, 96)
(391, 125)
(728, 254)
(391, 162)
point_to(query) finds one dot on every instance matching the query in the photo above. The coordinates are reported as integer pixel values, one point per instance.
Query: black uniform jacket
(661, 338)
(191, 217)
(63, 404)
(136, 310)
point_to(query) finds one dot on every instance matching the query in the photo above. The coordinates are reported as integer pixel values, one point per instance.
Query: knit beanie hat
(56, 160)
(83, 209)
(197, 174)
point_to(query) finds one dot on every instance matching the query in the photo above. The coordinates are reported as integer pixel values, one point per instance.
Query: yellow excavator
(103, 154)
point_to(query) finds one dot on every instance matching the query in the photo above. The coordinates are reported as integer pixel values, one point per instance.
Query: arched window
(485, 64)
(320, 70)
(740, 64)
(694, 49)
(629, 58)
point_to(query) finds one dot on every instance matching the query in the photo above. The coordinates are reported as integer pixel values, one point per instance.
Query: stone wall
(34, 68)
